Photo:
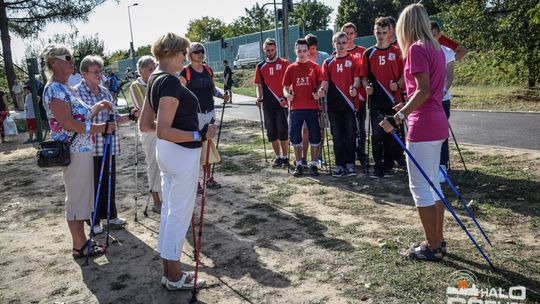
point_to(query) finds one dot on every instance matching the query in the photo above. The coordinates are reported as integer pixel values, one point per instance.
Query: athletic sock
(298, 162)
(314, 163)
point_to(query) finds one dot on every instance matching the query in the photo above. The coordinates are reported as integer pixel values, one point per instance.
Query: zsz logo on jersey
(348, 63)
(278, 67)
(391, 56)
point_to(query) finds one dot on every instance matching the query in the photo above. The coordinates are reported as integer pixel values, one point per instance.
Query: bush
(485, 68)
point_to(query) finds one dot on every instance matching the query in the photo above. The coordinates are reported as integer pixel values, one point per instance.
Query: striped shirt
(90, 98)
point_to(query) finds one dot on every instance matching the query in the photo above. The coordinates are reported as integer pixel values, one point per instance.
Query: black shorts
(275, 122)
(227, 86)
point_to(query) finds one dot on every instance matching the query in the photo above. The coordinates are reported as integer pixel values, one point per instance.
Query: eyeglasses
(64, 57)
(96, 72)
(198, 52)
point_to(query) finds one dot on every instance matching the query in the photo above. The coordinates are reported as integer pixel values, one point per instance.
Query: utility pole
(286, 29)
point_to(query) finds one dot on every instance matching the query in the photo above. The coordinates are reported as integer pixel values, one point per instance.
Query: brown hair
(311, 39)
(382, 22)
(348, 25)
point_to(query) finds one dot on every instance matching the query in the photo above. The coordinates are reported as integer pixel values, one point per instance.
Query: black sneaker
(377, 173)
(339, 172)
(285, 162)
(304, 162)
(313, 170)
(388, 173)
(298, 171)
(351, 171)
(277, 162)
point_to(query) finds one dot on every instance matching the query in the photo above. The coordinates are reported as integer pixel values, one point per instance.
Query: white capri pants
(427, 154)
(205, 118)
(179, 173)
(152, 172)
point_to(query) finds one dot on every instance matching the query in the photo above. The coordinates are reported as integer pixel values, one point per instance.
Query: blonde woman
(178, 152)
(428, 127)
(199, 79)
(70, 120)
(145, 66)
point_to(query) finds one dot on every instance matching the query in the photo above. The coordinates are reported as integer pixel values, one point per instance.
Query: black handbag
(54, 153)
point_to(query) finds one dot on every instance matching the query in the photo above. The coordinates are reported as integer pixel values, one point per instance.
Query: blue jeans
(298, 117)
(445, 153)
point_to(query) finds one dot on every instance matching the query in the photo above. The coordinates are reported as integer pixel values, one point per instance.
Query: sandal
(95, 250)
(212, 184)
(423, 253)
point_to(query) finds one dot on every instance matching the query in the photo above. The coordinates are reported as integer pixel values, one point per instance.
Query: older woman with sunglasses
(70, 122)
(91, 92)
(199, 79)
(145, 66)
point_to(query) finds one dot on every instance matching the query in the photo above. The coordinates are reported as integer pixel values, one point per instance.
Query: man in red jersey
(300, 88)
(357, 52)
(385, 72)
(340, 81)
(269, 80)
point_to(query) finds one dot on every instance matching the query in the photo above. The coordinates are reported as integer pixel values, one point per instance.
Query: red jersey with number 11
(304, 79)
(270, 76)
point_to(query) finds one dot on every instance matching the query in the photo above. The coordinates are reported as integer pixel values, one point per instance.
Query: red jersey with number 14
(340, 74)
(385, 66)
(270, 76)
(304, 79)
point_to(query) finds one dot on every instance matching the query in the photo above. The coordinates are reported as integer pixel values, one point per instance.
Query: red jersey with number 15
(385, 66)
(304, 79)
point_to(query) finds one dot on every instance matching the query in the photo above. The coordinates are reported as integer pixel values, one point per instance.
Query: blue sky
(150, 19)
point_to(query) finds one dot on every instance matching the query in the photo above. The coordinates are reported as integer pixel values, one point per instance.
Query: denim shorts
(311, 118)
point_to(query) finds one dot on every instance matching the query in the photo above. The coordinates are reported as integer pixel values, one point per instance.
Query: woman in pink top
(428, 127)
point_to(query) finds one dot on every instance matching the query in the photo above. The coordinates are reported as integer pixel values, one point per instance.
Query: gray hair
(91, 60)
(196, 46)
(144, 61)
(49, 52)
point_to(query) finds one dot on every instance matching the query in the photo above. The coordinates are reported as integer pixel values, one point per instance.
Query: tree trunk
(6, 47)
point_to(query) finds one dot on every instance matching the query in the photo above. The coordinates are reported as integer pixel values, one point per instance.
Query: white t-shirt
(74, 79)
(29, 106)
(450, 56)
(17, 89)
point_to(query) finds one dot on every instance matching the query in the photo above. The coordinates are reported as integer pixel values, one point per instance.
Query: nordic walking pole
(465, 205)
(368, 135)
(111, 149)
(448, 206)
(198, 244)
(150, 184)
(219, 135)
(262, 132)
(136, 194)
(96, 201)
(457, 146)
(329, 160)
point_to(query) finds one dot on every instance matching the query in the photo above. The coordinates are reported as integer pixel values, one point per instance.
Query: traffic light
(290, 5)
(224, 44)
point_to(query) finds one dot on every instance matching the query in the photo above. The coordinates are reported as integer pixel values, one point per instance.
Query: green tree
(311, 15)
(206, 29)
(506, 27)
(88, 45)
(26, 18)
(143, 50)
(251, 22)
(116, 56)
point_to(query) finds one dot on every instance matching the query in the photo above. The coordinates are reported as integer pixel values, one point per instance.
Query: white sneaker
(98, 229)
(442, 179)
(164, 278)
(118, 221)
(183, 285)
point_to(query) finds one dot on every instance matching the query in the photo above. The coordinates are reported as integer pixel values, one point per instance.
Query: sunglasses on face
(198, 52)
(64, 57)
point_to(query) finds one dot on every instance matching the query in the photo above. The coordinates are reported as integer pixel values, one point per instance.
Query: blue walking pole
(465, 205)
(111, 148)
(96, 201)
(439, 194)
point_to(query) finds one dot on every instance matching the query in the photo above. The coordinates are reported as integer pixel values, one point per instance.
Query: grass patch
(499, 98)
(280, 194)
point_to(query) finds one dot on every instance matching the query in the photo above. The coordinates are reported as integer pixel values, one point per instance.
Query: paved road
(513, 130)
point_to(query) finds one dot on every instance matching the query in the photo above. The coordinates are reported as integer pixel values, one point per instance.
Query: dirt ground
(272, 238)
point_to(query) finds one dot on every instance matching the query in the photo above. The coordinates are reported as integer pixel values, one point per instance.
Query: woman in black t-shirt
(199, 79)
(4, 112)
(178, 150)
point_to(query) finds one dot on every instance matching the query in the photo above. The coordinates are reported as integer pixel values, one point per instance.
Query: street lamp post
(131, 48)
